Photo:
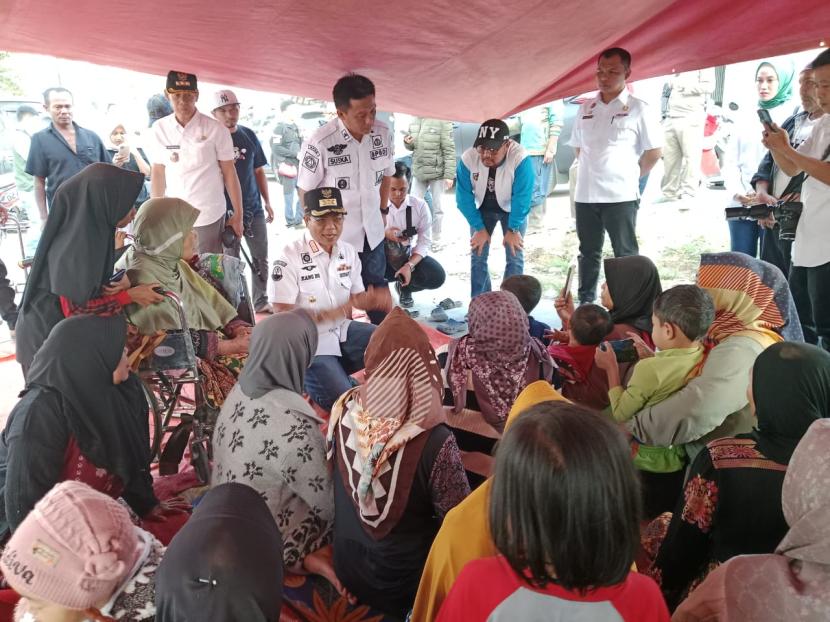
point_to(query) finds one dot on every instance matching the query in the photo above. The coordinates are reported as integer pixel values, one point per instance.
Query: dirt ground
(673, 237)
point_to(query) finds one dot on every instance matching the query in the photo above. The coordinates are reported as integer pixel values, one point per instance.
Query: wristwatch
(411, 266)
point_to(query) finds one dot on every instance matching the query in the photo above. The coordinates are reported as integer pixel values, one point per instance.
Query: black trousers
(776, 251)
(428, 274)
(811, 292)
(592, 221)
(8, 310)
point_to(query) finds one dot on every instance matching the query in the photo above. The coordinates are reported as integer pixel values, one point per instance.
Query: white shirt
(421, 220)
(801, 132)
(332, 157)
(744, 153)
(190, 156)
(611, 138)
(810, 248)
(307, 276)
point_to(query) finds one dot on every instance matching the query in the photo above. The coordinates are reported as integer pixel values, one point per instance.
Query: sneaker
(438, 315)
(404, 296)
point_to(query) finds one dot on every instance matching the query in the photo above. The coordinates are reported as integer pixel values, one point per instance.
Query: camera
(786, 213)
(407, 233)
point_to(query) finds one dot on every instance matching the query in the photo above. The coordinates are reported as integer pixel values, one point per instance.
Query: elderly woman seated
(164, 246)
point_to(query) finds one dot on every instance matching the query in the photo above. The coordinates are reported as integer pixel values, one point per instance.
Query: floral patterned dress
(274, 445)
(731, 506)
(136, 599)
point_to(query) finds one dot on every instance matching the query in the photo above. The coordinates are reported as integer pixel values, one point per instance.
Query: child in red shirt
(564, 514)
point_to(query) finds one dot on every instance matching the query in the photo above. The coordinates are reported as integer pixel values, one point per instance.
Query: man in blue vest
(495, 185)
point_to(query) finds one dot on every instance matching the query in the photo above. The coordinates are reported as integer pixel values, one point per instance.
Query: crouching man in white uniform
(322, 274)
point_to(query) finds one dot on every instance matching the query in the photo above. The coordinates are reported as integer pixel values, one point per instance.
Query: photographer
(810, 274)
(407, 262)
(772, 184)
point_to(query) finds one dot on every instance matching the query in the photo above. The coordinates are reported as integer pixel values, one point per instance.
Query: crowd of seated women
(488, 480)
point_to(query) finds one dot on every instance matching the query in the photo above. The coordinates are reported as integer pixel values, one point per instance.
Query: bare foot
(321, 562)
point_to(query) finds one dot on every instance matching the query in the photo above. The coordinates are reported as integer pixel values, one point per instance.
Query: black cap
(322, 201)
(179, 81)
(492, 134)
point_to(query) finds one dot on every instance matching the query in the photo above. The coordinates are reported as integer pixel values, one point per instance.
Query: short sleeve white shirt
(332, 157)
(190, 156)
(421, 220)
(611, 138)
(810, 248)
(306, 276)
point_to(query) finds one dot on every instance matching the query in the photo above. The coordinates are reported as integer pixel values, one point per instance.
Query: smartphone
(625, 351)
(117, 276)
(568, 280)
(764, 117)
(124, 150)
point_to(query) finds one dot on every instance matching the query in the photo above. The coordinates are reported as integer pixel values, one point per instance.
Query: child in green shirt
(681, 317)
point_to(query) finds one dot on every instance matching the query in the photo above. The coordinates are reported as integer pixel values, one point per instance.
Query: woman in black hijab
(225, 565)
(631, 285)
(82, 416)
(732, 501)
(75, 256)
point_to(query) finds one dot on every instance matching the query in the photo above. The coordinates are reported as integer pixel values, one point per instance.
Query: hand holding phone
(624, 350)
(568, 281)
(766, 119)
(117, 276)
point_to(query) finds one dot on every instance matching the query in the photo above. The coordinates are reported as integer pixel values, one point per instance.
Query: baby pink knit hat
(74, 548)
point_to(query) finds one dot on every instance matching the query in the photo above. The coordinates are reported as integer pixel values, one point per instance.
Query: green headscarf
(160, 229)
(785, 71)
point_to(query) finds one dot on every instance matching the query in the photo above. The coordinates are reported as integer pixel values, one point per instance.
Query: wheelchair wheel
(156, 425)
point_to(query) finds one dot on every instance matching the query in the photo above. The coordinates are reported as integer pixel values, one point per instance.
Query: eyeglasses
(486, 150)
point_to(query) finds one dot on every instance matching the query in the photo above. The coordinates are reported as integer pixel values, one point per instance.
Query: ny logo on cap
(482, 132)
(326, 193)
(224, 98)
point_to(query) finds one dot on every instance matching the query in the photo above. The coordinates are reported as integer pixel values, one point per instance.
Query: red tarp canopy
(454, 60)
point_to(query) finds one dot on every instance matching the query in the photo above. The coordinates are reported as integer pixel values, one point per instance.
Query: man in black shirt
(61, 150)
(250, 163)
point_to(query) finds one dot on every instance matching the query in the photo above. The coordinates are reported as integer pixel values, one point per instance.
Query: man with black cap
(495, 185)
(193, 158)
(321, 273)
(354, 153)
(250, 163)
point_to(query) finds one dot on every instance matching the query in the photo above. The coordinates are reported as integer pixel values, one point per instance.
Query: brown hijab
(378, 428)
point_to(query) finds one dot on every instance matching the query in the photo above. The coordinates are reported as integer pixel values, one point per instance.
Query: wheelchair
(181, 416)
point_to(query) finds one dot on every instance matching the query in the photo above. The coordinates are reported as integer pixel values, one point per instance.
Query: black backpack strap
(408, 216)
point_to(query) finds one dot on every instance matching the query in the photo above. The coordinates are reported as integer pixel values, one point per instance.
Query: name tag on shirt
(174, 147)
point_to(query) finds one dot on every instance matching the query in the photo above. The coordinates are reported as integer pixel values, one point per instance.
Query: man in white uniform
(617, 141)
(354, 153)
(321, 273)
(193, 159)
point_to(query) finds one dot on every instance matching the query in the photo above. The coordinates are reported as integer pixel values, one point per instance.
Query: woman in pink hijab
(794, 583)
